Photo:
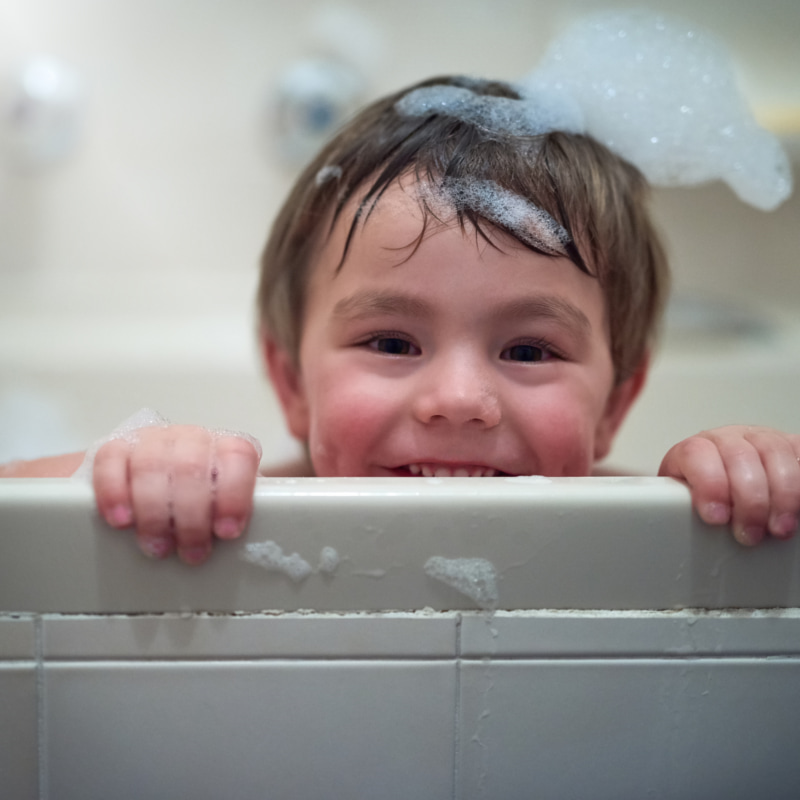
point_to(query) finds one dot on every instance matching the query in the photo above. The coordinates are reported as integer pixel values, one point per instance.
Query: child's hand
(179, 486)
(744, 475)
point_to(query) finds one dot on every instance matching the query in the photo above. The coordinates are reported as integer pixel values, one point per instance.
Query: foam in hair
(328, 173)
(657, 91)
(502, 115)
(527, 222)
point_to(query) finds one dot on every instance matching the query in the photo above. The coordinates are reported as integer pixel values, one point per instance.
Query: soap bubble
(662, 94)
(538, 112)
(474, 577)
(270, 556)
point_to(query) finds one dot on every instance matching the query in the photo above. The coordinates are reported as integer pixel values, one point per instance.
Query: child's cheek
(561, 433)
(350, 419)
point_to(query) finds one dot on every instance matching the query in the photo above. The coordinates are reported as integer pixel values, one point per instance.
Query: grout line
(223, 658)
(457, 714)
(41, 720)
(201, 660)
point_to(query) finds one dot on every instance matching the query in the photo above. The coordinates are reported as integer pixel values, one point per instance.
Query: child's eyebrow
(558, 309)
(552, 307)
(369, 303)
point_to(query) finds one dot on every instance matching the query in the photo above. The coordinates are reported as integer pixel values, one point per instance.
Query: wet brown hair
(598, 197)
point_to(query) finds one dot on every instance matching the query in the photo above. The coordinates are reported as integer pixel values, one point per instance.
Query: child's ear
(618, 405)
(288, 384)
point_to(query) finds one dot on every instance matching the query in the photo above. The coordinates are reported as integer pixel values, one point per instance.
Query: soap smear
(474, 577)
(270, 556)
(370, 573)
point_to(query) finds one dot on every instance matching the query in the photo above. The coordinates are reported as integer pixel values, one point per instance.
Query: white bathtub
(633, 651)
(66, 382)
(704, 377)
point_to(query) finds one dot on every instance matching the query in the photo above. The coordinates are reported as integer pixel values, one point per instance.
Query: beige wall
(165, 206)
(127, 275)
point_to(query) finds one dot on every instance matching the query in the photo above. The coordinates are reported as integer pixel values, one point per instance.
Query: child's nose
(458, 390)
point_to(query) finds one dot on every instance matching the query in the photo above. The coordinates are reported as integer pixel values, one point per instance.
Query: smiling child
(453, 288)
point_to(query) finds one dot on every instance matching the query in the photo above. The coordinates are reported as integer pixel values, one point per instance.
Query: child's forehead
(397, 232)
(394, 224)
(397, 218)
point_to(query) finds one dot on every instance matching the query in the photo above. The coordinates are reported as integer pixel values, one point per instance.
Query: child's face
(457, 358)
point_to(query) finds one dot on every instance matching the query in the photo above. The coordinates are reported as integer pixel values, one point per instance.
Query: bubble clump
(329, 560)
(501, 115)
(270, 556)
(662, 94)
(529, 223)
(474, 577)
(127, 431)
(329, 173)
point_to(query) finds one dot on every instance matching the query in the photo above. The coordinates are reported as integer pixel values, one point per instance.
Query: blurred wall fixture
(342, 48)
(42, 109)
(313, 98)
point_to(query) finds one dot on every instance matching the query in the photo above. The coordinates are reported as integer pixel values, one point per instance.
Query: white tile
(410, 635)
(19, 778)
(251, 730)
(560, 634)
(630, 728)
(17, 637)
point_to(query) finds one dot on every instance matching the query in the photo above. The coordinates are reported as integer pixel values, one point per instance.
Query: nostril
(473, 413)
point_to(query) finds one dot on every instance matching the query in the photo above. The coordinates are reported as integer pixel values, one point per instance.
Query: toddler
(455, 287)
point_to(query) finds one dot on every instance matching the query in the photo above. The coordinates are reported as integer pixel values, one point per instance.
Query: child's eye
(525, 352)
(393, 346)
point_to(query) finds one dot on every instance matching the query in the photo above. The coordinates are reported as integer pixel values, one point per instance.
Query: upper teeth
(439, 471)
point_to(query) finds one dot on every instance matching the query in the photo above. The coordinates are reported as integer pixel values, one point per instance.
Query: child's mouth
(427, 470)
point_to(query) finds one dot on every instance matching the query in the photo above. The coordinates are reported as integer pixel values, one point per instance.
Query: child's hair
(599, 198)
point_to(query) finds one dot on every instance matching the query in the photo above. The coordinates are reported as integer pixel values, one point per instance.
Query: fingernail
(155, 547)
(120, 516)
(194, 555)
(783, 526)
(716, 513)
(228, 528)
(750, 536)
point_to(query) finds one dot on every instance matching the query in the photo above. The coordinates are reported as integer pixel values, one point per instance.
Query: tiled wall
(423, 705)
(636, 653)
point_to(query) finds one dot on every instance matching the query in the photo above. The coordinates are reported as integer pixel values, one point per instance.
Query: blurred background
(145, 146)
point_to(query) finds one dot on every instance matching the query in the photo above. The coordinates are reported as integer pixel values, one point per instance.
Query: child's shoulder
(62, 466)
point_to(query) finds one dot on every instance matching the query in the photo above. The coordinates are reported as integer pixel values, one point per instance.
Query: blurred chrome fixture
(315, 94)
(42, 113)
(313, 98)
